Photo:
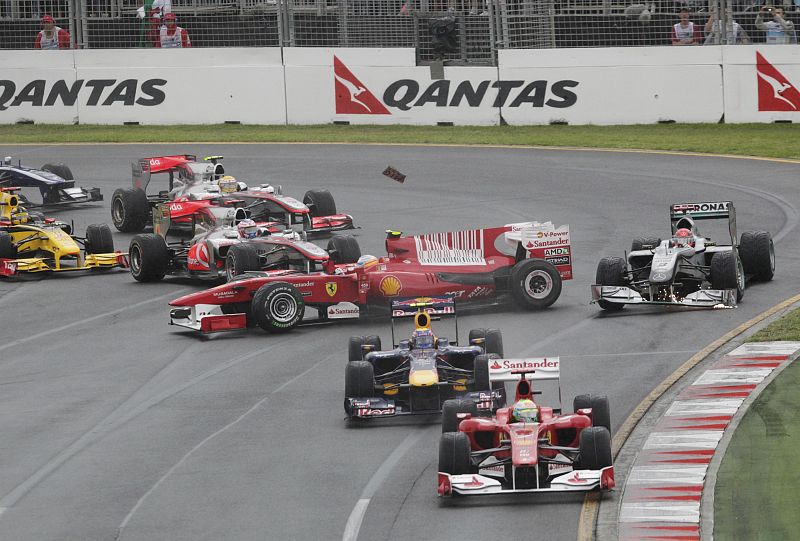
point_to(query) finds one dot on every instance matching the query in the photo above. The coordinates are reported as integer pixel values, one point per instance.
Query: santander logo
(352, 97)
(775, 92)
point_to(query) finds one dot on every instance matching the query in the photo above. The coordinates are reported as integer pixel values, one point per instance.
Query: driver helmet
(422, 339)
(682, 238)
(525, 411)
(367, 261)
(228, 184)
(247, 229)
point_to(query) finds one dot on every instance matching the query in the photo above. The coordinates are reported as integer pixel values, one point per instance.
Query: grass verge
(785, 328)
(756, 490)
(768, 140)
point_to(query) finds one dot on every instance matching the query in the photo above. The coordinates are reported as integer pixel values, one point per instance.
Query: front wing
(206, 318)
(368, 408)
(334, 222)
(13, 267)
(704, 298)
(574, 481)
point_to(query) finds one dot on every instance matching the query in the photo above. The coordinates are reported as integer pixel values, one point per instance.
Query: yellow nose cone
(423, 378)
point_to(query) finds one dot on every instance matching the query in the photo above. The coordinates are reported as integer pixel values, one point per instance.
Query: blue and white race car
(54, 183)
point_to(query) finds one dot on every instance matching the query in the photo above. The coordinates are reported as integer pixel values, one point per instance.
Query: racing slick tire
(278, 307)
(7, 248)
(320, 202)
(454, 451)
(601, 413)
(359, 380)
(241, 258)
(59, 169)
(757, 253)
(355, 346)
(480, 372)
(149, 257)
(450, 410)
(344, 249)
(535, 283)
(130, 210)
(610, 272)
(639, 242)
(99, 239)
(491, 340)
(727, 273)
(595, 448)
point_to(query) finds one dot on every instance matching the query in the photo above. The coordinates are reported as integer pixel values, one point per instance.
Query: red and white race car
(526, 447)
(527, 261)
(194, 185)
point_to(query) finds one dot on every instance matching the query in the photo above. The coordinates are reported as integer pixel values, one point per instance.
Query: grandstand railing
(482, 26)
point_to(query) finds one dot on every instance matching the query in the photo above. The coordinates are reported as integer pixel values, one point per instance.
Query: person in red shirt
(686, 32)
(173, 36)
(51, 36)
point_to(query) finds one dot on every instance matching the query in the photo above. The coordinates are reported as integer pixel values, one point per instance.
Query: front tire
(727, 273)
(7, 248)
(320, 202)
(535, 283)
(149, 257)
(241, 258)
(359, 380)
(757, 253)
(130, 210)
(278, 307)
(454, 453)
(595, 448)
(611, 272)
(99, 239)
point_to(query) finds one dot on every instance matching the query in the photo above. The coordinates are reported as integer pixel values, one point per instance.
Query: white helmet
(247, 229)
(228, 184)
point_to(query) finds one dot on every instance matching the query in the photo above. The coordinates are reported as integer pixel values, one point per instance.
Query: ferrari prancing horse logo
(330, 288)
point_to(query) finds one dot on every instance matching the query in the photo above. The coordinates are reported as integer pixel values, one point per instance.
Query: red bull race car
(526, 447)
(524, 261)
(193, 185)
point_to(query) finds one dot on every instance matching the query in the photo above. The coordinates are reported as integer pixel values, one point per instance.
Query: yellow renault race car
(30, 243)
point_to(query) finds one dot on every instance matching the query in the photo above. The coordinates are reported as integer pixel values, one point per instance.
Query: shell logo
(390, 286)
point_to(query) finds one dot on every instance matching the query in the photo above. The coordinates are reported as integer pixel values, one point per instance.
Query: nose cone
(423, 378)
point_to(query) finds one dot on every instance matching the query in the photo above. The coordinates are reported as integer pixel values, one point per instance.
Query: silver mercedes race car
(688, 269)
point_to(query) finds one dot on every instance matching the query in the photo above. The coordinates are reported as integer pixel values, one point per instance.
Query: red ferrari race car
(526, 260)
(194, 185)
(226, 243)
(526, 447)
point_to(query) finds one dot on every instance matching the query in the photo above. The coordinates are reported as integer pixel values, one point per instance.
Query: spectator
(715, 29)
(51, 36)
(152, 13)
(779, 30)
(172, 36)
(685, 32)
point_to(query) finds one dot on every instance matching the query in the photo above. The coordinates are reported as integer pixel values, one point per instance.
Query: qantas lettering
(405, 94)
(128, 92)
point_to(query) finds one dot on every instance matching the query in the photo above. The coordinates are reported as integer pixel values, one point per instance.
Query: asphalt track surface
(116, 426)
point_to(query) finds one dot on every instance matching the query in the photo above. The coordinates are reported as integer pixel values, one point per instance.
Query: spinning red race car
(527, 260)
(194, 185)
(526, 447)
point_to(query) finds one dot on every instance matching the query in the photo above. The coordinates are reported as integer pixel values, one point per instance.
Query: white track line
(88, 319)
(185, 457)
(357, 514)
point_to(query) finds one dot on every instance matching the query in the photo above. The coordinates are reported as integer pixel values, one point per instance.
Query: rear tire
(59, 169)
(727, 273)
(149, 257)
(595, 448)
(320, 202)
(757, 253)
(492, 340)
(278, 307)
(601, 413)
(638, 242)
(611, 272)
(535, 283)
(99, 239)
(7, 248)
(355, 346)
(130, 210)
(359, 380)
(241, 258)
(344, 249)
(450, 410)
(454, 453)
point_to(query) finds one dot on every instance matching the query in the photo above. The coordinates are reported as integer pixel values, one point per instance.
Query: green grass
(768, 140)
(786, 328)
(756, 491)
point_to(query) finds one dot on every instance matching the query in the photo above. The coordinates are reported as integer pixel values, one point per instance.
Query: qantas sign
(775, 92)
(354, 98)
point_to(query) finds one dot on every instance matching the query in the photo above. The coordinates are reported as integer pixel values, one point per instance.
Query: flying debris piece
(394, 174)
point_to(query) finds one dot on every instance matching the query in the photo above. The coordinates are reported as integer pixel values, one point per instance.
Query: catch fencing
(479, 28)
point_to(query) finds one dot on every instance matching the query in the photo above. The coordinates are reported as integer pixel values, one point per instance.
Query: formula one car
(526, 260)
(417, 375)
(55, 184)
(688, 269)
(225, 243)
(527, 447)
(194, 185)
(33, 245)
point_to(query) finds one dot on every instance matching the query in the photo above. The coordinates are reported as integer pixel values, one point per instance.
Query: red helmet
(683, 232)
(683, 237)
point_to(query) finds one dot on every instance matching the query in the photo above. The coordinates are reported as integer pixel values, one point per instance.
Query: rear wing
(532, 369)
(709, 210)
(142, 169)
(433, 306)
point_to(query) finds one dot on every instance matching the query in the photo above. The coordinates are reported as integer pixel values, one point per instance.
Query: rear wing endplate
(709, 210)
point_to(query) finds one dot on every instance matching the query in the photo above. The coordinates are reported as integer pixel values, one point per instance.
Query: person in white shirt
(779, 31)
(716, 29)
